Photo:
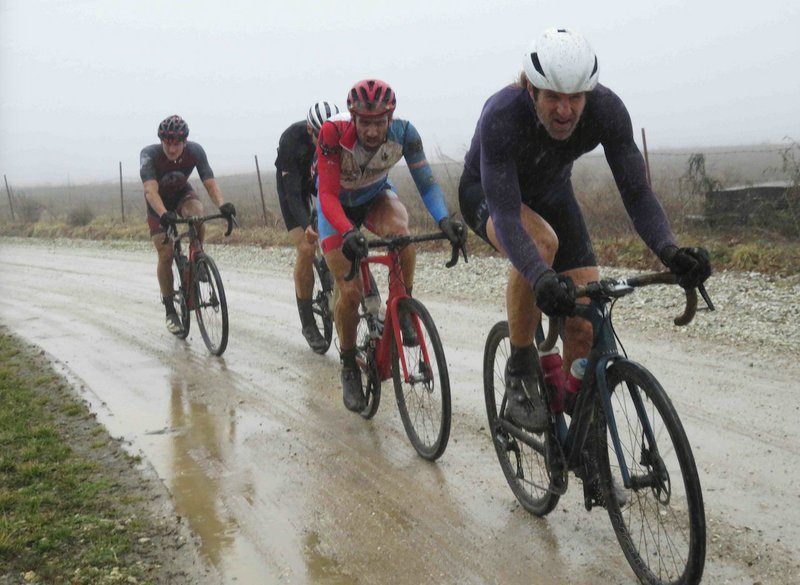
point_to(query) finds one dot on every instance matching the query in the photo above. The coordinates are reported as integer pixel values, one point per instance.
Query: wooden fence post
(121, 199)
(261, 189)
(646, 159)
(10, 202)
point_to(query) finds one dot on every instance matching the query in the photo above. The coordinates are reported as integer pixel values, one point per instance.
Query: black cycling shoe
(525, 409)
(314, 339)
(407, 330)
(352, 392)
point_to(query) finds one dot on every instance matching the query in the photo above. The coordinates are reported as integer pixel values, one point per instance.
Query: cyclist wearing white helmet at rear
(296, 178)
(516, 193)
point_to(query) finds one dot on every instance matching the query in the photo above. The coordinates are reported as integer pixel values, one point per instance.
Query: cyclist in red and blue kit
(354, 155)
(165, 169)
(515, 193)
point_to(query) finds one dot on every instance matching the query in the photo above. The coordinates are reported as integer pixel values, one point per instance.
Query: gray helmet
(561, 60)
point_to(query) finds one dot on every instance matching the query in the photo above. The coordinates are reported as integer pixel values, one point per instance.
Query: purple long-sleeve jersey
(518, 162)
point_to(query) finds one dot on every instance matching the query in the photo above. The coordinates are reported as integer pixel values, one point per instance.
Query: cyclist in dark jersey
(296, 177)
(165, 169)
(516, 193)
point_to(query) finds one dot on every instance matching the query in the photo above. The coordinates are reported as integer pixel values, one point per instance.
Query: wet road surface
(283, 485)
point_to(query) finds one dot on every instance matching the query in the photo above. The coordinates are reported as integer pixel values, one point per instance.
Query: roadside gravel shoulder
(751, 309)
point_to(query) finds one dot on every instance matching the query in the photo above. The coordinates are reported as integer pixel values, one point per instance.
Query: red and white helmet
(561, 60)
(371, 98)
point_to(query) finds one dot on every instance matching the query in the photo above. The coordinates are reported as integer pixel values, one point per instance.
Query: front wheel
(180, 300)
(365, 359)
(321, 303)
(521, 454)
(422, 383)
(211, 308)
(658, 515)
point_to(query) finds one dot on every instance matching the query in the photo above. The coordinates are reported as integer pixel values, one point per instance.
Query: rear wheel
(520, 452)
(211, 308)
(659, 519)
(321, 300)
(179, 299)
(423, 387)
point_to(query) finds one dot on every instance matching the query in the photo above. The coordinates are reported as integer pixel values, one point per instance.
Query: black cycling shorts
(560, 210)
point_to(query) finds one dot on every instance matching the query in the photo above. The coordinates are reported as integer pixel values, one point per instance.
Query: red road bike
(417, 366)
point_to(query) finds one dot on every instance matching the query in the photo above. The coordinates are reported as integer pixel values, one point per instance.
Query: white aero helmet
(319, 112)
(561, 60)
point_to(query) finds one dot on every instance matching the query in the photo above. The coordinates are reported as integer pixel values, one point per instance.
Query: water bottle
(554, 377)
(372, 303)
(573, 383)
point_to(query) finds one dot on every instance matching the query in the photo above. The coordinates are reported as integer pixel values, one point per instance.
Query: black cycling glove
(354, 245)
(454, 230)
(227, 209)
(692, 266)
(167, 219)
(555, 294)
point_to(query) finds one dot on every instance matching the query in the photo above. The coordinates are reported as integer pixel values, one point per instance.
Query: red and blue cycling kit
(351, 177)
(512, 161)
(172, 176)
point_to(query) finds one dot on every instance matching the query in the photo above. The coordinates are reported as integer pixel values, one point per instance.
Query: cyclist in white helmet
(515, 193)
(296, 183)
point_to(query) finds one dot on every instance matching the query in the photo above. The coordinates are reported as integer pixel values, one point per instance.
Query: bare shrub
(29, 209)
(80, 216)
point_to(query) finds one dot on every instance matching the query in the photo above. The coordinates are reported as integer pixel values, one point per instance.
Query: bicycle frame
(195, 247)
(604, 352)
(397, 291)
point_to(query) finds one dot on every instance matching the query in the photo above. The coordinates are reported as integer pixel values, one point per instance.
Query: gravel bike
(624, 440)
(200, 286)
(417, 366)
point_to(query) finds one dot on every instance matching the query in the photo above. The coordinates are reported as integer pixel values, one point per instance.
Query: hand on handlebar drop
(454, 230)
(555, 294)
(227, 209)
(692, 266)
(354, 245)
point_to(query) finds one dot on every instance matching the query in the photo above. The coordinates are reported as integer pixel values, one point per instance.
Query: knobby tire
(660, 528)
(424, 403)
(211, 307)
(523, 462)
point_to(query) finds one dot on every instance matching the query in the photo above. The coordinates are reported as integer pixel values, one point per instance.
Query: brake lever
(353, 270)
(702, 290)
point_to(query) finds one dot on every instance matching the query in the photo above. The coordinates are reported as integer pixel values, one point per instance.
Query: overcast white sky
(84, 83)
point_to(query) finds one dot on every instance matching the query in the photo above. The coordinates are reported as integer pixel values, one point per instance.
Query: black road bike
(624, 440)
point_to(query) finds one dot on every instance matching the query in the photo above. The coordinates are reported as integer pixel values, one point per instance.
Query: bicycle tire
(320, 302)
(179, 299)
(365, 359)
(661, 526)
(524, 467)
(211, 308)
(424, 405)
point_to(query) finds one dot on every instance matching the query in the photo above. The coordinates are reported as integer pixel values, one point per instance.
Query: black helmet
(173, 128)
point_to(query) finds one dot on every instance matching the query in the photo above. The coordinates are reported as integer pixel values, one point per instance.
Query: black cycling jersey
(173, 176)
(295, 176)
(516, 161)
